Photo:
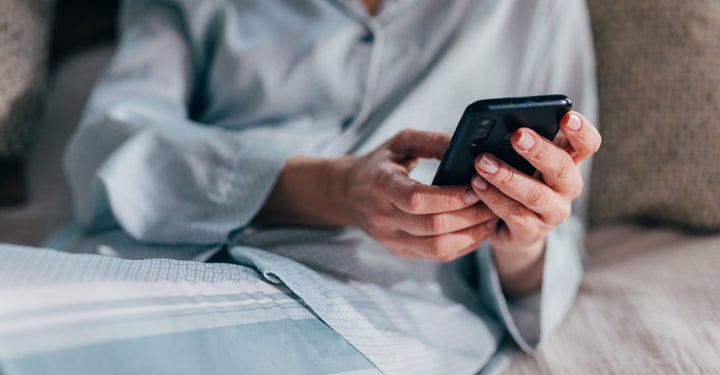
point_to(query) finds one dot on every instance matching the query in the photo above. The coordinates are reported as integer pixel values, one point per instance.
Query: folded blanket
(72, 314)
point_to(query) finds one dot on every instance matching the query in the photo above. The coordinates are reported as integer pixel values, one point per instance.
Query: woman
(278, 132)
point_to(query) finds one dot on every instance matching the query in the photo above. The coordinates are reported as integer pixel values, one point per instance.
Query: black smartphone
(487, 125)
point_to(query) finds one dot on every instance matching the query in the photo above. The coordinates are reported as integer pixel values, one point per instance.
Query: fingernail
(487, 164)
(479, 183)
(574, 122)
(470, 196)
(526, 141)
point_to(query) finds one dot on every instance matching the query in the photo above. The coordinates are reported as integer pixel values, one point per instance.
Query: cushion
(23, 40)
(659, 83)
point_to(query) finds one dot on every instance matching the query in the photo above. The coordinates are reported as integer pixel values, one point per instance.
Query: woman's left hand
(530, 207)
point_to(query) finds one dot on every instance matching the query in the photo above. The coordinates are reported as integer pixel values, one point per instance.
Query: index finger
(583, 137)
(416, 198)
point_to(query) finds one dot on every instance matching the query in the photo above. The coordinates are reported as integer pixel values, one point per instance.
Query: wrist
(308, 192)
(520, 269)
(335, 179)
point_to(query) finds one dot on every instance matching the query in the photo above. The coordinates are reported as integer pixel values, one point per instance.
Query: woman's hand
(375, 193)
(411, 219)
(530, 207)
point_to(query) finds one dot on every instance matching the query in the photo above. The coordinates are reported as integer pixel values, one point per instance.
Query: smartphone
(486, 127)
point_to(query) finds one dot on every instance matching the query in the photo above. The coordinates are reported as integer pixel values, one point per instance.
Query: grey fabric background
(24, 26)
(658, 69)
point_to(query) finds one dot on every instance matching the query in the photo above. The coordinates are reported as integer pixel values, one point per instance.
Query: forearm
(304, 194)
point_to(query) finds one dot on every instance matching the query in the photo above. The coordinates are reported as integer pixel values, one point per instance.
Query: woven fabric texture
(648, 305)
(23, 49)
(659, 82)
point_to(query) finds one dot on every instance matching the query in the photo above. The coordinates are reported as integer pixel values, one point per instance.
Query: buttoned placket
(378, 38)
(375, 36)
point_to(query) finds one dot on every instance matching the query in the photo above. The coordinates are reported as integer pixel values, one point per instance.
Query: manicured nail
(574, 122)
(526, 141)
(470, 196)
(479, 183)
(487, 164)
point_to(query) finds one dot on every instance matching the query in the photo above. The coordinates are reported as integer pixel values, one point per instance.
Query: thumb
(411, 144)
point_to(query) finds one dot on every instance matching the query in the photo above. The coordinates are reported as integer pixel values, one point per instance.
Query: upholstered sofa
(650, 300)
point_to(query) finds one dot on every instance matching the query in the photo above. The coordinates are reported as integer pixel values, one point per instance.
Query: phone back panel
(487, 125)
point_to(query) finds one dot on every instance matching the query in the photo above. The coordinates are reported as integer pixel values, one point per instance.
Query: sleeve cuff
(531, 318)
(213, 186)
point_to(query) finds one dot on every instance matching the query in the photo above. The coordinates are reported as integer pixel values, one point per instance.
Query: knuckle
(497, 200)
(537, 195)
(402, 134)
(565, 167)
(541, 151)
(435, 223)
(508, 177)
(436, 246)
(590, 139)
(377, 179)
(406, 134)
(414, 200)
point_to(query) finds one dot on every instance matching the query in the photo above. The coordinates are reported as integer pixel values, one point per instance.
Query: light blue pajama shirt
(204, 102)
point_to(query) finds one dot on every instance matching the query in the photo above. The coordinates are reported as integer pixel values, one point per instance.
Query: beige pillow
(23, 50)
(659, 82)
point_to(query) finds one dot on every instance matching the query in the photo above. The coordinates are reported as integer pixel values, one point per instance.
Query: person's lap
(70, 313)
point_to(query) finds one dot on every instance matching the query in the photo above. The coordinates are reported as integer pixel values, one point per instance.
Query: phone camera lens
(481, 131)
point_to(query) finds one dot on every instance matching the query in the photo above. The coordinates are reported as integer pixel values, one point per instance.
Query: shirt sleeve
(137, 159)
(529, 319)
(565, 64)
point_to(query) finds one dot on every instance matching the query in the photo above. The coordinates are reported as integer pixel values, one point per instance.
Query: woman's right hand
(375, 193)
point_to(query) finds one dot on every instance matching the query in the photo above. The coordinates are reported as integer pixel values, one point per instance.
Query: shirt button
(368, 37)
